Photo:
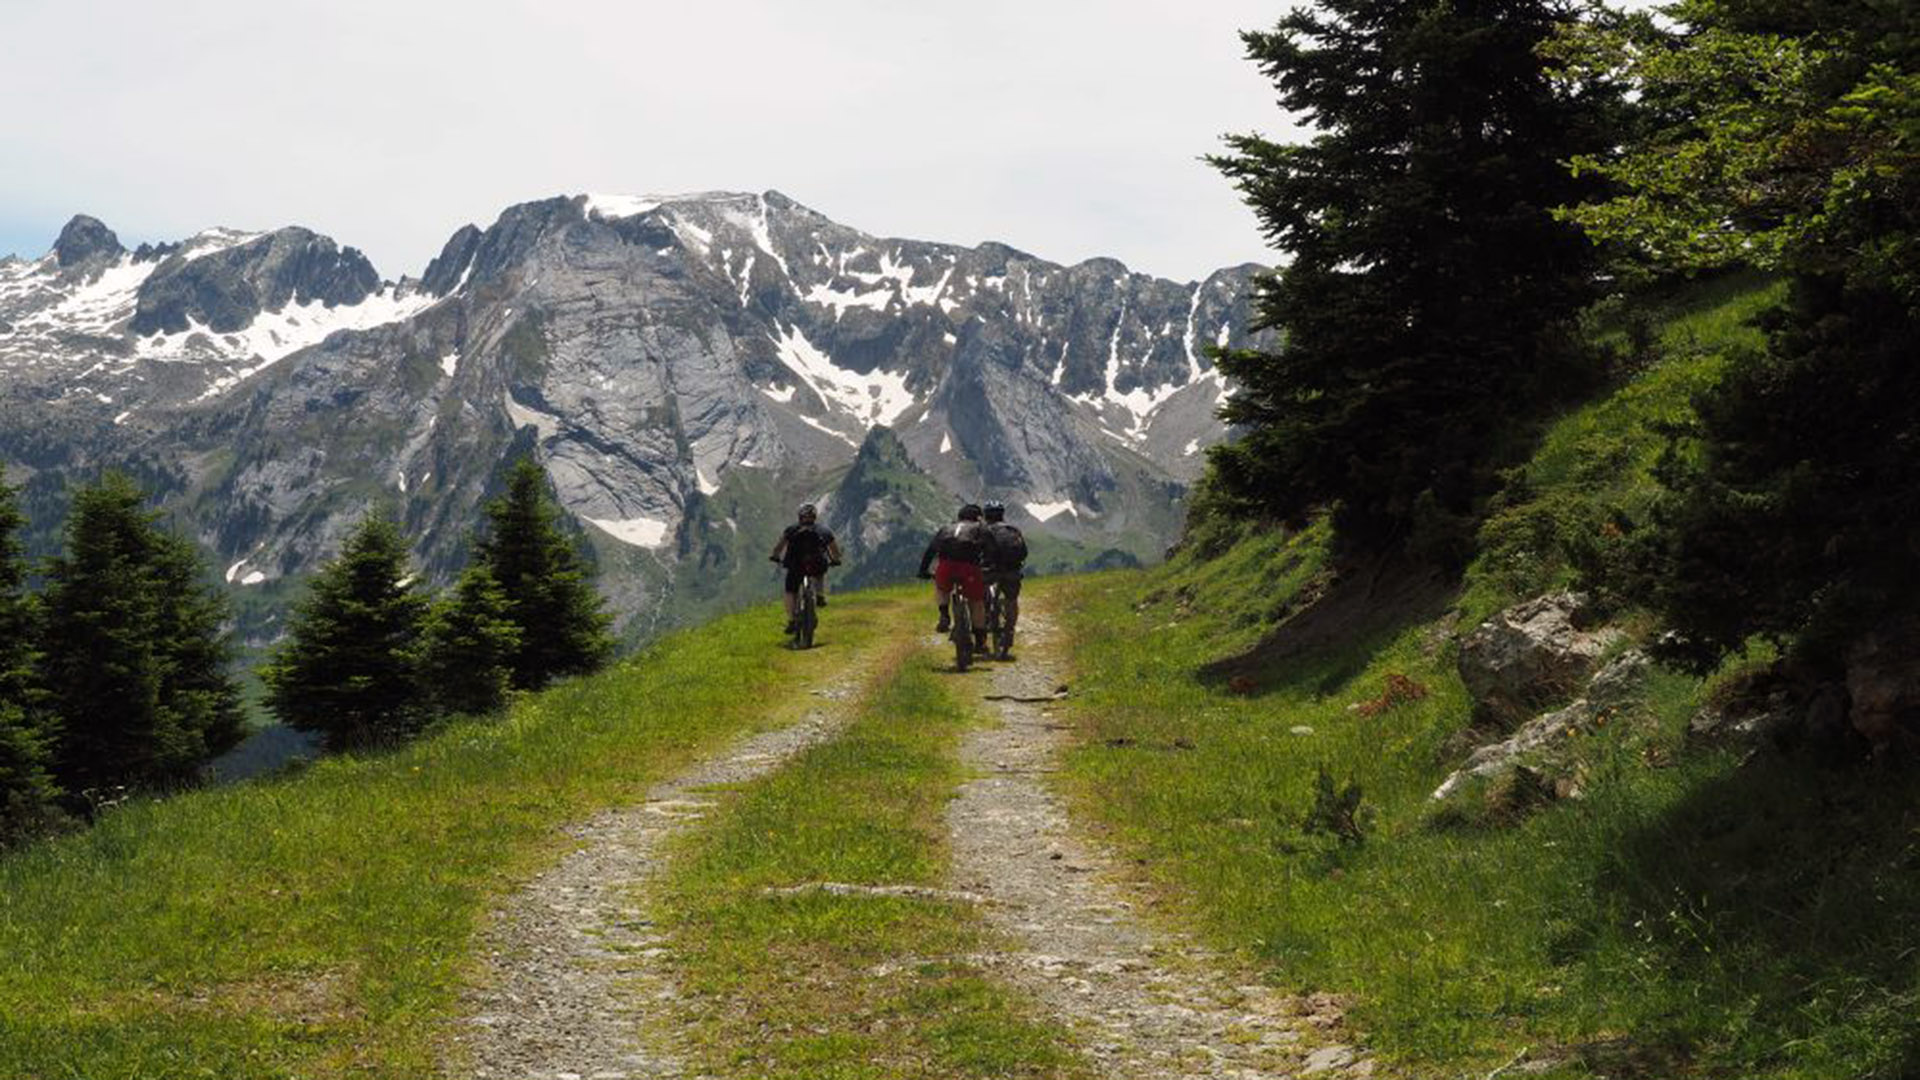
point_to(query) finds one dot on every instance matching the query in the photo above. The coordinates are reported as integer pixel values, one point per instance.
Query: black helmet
(807, 511)
(995, 509)
(970, 512)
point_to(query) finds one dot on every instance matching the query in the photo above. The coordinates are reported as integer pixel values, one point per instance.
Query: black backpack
(962, 541)
(1009, 546)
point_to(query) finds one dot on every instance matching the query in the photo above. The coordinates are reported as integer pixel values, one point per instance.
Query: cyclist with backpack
(807, 548)
(1005, 554)
(960, 547)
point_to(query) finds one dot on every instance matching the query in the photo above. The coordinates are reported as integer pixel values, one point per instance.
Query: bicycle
(806, 610)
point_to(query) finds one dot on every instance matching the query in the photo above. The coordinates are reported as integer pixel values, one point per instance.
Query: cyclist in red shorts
(959, 547)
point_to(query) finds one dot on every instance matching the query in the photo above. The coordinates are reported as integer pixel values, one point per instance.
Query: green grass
(813, 985)
(1688, 917)
(320, 924)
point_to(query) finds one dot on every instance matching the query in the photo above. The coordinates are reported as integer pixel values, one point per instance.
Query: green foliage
(1428, 302)
(1783, 136)
(1793, 505)
(134, 658)
(26, 788)
(470, 643)
(350, 665)
(563, 630)
(1788, 136)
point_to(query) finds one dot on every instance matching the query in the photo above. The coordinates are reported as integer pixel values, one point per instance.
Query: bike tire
(809, 618)
(962, 636)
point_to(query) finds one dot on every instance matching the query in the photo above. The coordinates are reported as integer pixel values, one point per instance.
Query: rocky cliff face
(686, 368)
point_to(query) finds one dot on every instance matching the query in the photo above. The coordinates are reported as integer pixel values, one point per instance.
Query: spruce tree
(470, 644)
(135, 659)
(27, 790)
(562, 628)
(1430, 291)
(349, 668)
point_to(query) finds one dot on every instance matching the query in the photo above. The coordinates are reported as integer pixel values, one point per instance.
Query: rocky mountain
(687, 368)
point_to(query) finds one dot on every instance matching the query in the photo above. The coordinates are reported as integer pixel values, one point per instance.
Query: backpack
(963, 541)
(1009, 546)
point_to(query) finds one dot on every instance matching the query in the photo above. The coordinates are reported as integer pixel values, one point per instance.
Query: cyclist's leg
(943, 592)
(974, 589)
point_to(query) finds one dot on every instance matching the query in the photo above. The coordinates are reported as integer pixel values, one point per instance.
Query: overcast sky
(1068, 128)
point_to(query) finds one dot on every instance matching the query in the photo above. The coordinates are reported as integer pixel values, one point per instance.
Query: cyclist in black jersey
(807, 548)
(1003, 557)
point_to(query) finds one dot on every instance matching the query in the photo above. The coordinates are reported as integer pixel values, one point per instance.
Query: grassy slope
(317, 925)
(813, 985)
(1688, 917)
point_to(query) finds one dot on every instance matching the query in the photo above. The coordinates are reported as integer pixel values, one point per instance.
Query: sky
(1067, 128)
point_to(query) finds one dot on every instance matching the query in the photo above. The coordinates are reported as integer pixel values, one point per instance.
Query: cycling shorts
(951, 572)
(795, 573)
(1007, 581)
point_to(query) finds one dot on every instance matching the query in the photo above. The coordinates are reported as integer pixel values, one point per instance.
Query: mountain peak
(83, 238)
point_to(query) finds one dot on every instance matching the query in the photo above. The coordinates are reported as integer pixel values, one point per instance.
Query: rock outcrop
(1616, 686)
(1530, 656)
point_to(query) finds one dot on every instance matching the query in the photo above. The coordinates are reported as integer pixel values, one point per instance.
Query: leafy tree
(470, 645)
(135, 658)
(1790, 140)
(1428, 300)
(350, 665)
(27, 790)
(563, 630)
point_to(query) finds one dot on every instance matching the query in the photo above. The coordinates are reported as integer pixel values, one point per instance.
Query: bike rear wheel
(962, 635)
(809, 617)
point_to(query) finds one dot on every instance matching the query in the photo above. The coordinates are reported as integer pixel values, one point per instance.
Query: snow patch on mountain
(640, 531)
(1047, 511)
(875, 397)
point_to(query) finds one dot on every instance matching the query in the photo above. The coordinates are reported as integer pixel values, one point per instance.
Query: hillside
(1637, 899)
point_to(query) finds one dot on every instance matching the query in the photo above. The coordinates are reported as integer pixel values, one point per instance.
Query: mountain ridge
(655, 353)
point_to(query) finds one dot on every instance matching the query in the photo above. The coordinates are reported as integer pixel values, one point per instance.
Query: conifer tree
(562, 628)
(470, 644)
(26, 788)
(134, 653)
(349, 668)
(1430, 289)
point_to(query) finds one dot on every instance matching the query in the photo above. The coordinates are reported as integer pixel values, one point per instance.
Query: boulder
(1618, 684)
(1529, 656)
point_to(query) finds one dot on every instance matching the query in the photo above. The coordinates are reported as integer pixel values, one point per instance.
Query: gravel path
(1148, 1004)
(572, 960)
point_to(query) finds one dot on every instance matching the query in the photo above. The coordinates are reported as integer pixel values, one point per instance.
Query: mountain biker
(1006, 553)
(806, 549)
(960, 546)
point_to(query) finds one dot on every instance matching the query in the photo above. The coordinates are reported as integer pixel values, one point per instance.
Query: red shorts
(966, 575)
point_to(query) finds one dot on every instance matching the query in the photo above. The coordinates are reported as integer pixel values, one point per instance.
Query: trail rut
(1147, 1003)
